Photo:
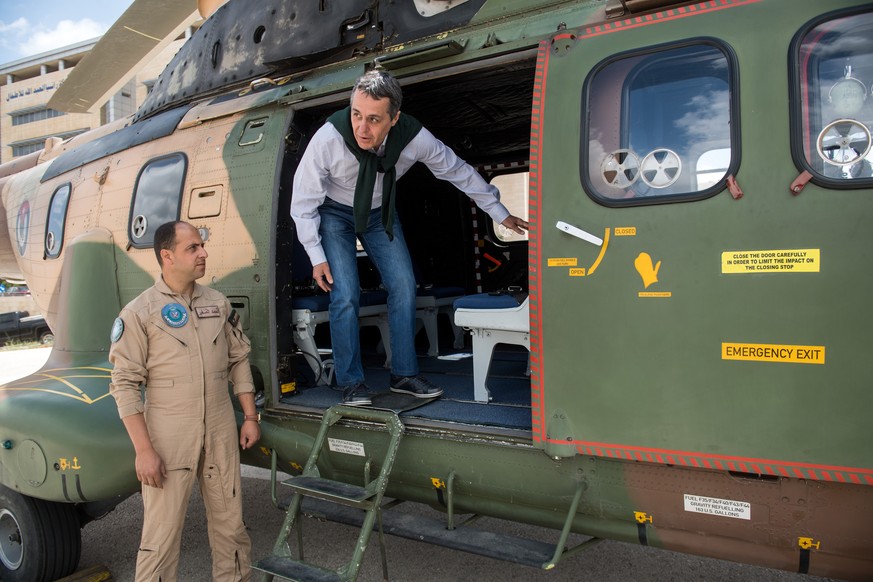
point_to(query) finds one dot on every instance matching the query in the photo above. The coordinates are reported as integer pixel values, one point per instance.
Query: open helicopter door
(674, 320)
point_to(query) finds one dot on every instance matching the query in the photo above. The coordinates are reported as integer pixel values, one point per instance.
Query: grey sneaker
(418, 386)
(356, 395)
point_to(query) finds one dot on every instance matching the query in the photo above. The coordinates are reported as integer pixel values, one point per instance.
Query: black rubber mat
(397, 402)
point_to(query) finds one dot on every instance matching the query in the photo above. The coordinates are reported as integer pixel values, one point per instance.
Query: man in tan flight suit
(183, 342)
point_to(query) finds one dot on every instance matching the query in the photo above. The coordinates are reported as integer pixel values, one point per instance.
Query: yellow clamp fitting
(642, 517)
(438, 483)
(808, 543)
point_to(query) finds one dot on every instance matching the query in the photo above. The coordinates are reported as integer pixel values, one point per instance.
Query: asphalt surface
(112, 541)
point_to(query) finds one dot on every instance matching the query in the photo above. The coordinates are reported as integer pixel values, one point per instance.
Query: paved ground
(112, 541)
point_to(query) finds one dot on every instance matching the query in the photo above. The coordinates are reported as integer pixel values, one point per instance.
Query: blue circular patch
(174, 315)
(117, 330)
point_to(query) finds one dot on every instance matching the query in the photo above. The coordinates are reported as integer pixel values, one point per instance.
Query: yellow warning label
(773, 353)
(580, 272)
(625, 231)
(563, 262)
(779, 261)
(655, 294)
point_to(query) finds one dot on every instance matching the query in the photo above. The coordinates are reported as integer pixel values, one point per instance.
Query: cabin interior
(484, 115)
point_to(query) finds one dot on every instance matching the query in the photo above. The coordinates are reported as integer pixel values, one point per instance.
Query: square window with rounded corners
(57, 217)
(831, 101)
(157, 197)
(660, 125)
(514, 194)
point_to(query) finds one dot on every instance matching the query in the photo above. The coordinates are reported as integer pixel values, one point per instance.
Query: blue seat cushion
(440, 292)
(486, 301)
(321, 302)
(375, 297)
(311, 302)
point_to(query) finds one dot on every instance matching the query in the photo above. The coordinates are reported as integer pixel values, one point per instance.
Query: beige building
(26, 85)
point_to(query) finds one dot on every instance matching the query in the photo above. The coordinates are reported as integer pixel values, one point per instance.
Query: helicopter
(676, 355)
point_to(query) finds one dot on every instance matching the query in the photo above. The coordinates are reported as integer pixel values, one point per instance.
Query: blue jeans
(392, 260)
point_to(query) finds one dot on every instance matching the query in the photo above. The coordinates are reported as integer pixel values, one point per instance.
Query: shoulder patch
(233, 318)
(117, 330)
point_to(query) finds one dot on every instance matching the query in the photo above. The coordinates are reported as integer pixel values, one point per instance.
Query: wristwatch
(255, 417)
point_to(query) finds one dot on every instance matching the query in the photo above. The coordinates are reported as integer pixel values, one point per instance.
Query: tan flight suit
(188, 411)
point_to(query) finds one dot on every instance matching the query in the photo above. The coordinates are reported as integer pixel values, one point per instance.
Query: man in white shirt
(343, 191)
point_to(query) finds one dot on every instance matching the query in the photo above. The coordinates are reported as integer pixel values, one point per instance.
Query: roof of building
(29, 67)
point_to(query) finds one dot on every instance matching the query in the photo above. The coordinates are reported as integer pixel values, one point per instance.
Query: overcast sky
(30, 27)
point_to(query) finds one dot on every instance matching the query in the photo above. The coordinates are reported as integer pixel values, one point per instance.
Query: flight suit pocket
(216, 488)
(160, 383)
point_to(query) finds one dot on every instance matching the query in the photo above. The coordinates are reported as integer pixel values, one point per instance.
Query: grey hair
(379, 85)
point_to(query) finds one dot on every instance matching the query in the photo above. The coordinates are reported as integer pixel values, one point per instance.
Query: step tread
(295, 570)
(330, 490)
(469, 539)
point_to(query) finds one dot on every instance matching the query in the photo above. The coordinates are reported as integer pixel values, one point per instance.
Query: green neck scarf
(399, 136)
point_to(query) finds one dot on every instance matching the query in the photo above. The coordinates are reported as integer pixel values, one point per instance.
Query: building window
(832, 105)
(157, 197)
(660, 126)
(57, 217)
(23, 150)
(120, 105)
(28, 146)
(31, 115)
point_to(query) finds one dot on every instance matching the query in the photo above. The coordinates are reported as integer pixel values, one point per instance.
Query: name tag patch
(208, 311)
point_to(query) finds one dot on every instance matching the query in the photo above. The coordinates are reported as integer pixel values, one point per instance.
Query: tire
(46, 338)
(40, 541)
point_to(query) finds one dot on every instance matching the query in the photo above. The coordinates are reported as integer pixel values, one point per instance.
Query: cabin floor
(452, 370)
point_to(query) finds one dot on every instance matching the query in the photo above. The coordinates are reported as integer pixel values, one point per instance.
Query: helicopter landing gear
(40, 540)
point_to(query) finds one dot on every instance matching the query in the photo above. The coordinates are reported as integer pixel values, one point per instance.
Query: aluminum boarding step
(429, 530)
(366, 500)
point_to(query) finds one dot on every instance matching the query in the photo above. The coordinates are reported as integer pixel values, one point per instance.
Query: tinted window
(156, 198)
(833, 113)
(659, 125)
(57, 216)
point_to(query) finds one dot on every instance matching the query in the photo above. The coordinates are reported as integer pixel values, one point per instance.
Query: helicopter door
(636, 147)
(634, 214)
(676, 317)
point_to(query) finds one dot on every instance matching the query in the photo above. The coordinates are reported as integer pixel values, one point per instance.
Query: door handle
(579, 233)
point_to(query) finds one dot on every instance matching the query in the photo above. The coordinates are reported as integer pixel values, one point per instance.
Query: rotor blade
(145, 29)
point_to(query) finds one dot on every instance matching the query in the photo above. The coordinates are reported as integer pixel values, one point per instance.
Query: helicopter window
(514, 195)
(832, 104)
(57, 216)
(157, 197)
(658, 125)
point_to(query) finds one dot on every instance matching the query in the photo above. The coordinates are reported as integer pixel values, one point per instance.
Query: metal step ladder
(311, 484)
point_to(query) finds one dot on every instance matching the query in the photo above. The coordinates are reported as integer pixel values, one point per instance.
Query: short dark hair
(379, 85)
(165, 238)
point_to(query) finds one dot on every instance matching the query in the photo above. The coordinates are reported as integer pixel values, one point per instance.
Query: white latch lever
(579, 233)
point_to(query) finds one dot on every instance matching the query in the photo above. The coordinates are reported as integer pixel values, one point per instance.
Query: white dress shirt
(329, 169)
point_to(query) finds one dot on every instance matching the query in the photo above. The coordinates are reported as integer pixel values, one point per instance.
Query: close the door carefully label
(563, 262)
(776, 261)
(773, 353)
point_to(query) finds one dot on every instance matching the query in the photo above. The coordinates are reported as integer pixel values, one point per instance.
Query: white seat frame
(490, 327)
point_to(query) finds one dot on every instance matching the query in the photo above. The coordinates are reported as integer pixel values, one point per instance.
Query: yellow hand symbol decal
(643, 264)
